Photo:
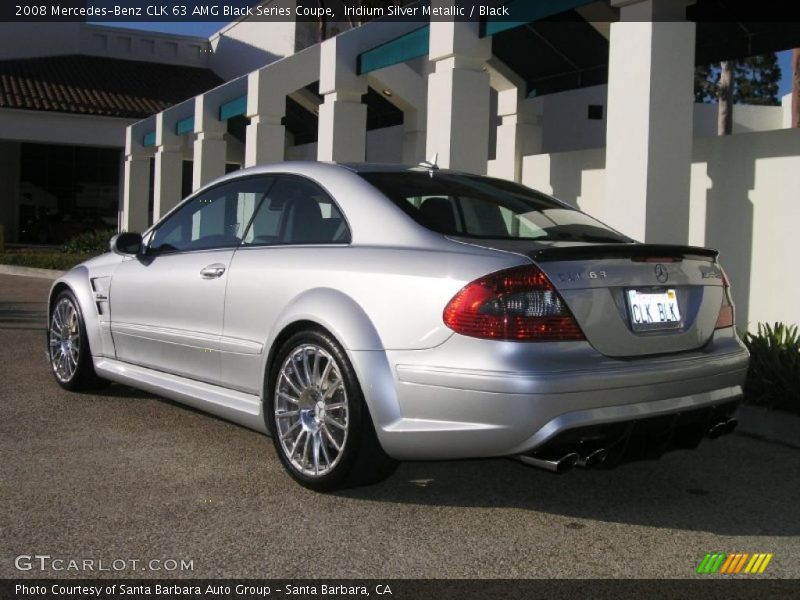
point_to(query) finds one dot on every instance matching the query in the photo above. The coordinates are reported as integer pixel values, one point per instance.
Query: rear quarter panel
(369, 298)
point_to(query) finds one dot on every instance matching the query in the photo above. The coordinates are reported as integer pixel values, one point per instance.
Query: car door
(167, 304)
(296, 222)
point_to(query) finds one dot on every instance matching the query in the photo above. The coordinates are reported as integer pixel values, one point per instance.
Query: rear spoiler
(664, 252)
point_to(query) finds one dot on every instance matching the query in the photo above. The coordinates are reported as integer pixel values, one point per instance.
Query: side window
(215, 219)
(297, 211)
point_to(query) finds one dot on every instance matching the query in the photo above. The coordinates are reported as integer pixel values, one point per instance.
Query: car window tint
(483, 207)
(215, 219)
(297, 211)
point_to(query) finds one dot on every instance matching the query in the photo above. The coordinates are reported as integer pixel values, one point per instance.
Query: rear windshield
(483, 207)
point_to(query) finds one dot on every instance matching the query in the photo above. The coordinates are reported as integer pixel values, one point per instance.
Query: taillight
(725, 318)
(514, 304)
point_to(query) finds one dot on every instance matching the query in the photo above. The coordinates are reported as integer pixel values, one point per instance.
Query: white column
(406, 89)
(342, 117)
(519, 133)
(458, 96)
(266, 107)
(136, 186)
(168, 172)
(414, 136)
(650, 108)
(209, 144)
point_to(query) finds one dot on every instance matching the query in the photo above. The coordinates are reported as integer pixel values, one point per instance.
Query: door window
(214, 219)
(297, 211)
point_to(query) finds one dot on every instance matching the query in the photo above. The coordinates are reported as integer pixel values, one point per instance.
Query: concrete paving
(125, 475)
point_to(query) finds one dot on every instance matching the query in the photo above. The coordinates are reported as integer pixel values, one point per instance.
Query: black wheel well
(60, 287)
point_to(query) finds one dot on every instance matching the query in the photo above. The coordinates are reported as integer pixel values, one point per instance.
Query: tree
(753, 80)
(725, 98)
(756, 80)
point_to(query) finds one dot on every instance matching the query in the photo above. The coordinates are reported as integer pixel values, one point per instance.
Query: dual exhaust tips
(566, 462)
(598, 457)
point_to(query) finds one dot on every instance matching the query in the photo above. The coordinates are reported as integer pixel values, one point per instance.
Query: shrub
(91, 242)
(60, 261)
(773, 379)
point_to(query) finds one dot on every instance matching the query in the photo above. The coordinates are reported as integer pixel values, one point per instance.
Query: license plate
(653, 310)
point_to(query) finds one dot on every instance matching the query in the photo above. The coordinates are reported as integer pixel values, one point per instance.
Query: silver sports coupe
(366, 314)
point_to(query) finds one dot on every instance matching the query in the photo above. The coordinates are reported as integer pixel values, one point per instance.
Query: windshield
(483, 207)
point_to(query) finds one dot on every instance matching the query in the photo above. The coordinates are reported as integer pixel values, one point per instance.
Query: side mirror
(126, 244)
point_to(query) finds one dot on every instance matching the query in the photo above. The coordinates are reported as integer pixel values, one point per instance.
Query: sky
(206, 29)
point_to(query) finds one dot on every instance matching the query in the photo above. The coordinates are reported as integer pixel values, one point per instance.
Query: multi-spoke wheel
(65, 340)
(68, 346)
(316, 414)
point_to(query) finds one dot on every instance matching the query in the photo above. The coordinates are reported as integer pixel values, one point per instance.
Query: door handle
(212, 271)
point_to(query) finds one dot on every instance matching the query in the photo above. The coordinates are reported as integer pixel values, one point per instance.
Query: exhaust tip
(558, 466)
(593, 459)
(567, 463)
(722, 428)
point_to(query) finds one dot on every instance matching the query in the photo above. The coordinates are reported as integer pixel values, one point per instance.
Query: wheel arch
(77, 282)
(347, 323)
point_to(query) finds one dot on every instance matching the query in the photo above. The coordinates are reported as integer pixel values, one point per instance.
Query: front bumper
(461, 399)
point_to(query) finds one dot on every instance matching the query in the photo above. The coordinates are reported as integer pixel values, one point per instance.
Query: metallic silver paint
(164, 327)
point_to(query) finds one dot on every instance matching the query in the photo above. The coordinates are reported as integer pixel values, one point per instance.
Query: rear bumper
(447, 411)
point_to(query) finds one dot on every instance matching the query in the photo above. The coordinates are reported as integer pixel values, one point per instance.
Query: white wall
(129, 44)
(744, 199)
(244, 46)
(746, 119)
(62, 128)
(27, 40)
(566, 125)
(565, 122)
(383, 146)
(786, 105)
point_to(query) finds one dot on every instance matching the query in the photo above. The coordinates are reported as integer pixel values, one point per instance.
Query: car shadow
(734, 486)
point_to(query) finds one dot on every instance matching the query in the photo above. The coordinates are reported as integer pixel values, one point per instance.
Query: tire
(68, 346)
(317, 417)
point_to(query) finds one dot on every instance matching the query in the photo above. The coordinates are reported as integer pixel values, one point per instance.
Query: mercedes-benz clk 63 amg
(364, 314)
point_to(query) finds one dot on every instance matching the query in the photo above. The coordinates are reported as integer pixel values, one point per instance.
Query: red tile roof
(93, 85)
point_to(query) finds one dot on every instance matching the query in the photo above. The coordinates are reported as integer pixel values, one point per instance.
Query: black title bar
(358, 11)
(712, 588)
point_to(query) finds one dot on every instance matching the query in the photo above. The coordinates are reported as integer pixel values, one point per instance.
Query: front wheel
(68, 346)
(318, 419)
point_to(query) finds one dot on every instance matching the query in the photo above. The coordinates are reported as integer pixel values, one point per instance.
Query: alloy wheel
(65, 340)
(311, 410)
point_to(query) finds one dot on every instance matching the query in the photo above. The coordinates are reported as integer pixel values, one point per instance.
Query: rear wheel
(316, 414)
(68, 346)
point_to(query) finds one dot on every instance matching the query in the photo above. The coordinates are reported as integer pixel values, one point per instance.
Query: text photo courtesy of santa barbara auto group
(404, 299)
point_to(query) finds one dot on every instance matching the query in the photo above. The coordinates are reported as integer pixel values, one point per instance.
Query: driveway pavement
(126, 475)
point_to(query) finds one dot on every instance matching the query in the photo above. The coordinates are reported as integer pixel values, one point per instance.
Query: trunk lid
(596, 281)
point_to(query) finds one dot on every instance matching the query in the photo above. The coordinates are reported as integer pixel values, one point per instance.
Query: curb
(774, 426)
(30, 272)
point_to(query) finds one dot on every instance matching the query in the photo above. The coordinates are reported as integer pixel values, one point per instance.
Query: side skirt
(238, 407)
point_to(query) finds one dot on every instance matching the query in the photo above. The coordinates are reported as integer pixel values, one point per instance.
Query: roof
(94, 85)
